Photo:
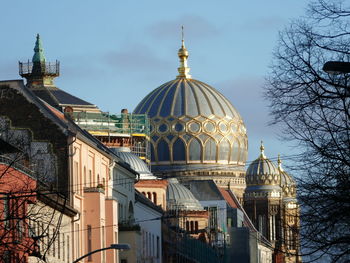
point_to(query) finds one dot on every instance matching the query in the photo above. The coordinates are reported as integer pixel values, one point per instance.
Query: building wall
(92, 197)
(151, 235)
(56, 231)
(124, 192)
(154, 190)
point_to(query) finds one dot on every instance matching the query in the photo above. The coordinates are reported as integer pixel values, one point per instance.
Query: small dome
(262, 171)
(134, 161)
(180, 198)
(288, 184)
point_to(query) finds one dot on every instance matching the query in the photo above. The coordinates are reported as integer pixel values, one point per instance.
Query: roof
(232, 202)
(178, 197)
(205, 190)
(57, 97)
(134, 161)
(189, 97)
(144, 200)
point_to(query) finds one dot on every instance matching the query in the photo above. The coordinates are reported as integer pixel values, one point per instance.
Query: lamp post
(336, 67)
(112, 246)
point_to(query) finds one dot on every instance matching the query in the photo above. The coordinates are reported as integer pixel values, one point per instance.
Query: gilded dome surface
(180, 198)
(262, 172)
(192, 123)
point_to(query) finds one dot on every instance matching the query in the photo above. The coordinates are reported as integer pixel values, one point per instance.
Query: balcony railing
(41, 68)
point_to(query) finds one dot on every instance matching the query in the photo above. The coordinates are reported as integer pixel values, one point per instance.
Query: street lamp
(336, 67)
(112, 246)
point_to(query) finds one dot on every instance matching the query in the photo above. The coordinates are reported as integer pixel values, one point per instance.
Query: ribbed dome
(192, 123)
(189, 97)
(134, 161)
(180, 198)
(262, 172)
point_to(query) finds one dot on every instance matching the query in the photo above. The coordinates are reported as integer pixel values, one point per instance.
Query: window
(196, 227)
(89, 247)
(6, 212)
(212, 217)
(76, 177)
(155, 198)
(64, 247)
(158, 248)
(179, 151)
(210, 150)
(85, 184)
(59, 245)
(224, 150)
(195, 150)
(90, 177)
(68, 249)
(192, 226)
(53, 244)
(77, 229)
(163, 151)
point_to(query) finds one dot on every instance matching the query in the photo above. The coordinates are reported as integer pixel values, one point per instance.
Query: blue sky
(113, 53)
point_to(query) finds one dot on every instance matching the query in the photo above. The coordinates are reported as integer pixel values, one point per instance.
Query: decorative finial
(279, 162)
(183, 55)
(262, 148)
(38, 51)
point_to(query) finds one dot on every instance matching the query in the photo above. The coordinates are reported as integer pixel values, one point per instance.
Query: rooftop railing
(40, 68)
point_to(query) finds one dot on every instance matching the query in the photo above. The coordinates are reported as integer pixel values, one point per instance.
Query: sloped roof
(205, 190)
(57, 97)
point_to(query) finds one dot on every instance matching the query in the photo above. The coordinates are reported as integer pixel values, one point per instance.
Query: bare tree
(28, 225)
(313, 108)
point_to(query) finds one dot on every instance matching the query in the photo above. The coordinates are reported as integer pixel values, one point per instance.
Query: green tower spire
(38, 51)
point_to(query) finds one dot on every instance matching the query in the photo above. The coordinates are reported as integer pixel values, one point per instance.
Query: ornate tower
(270, 202)
(196, 133)
(39, 73)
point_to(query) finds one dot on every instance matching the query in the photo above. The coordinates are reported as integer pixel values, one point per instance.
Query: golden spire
(279, 162)
(262, 148)
(183, 55)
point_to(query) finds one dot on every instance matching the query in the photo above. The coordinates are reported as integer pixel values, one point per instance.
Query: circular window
(178, 127)
(194, 127)
(223, 127)
(209, 127)
(163, 127)
(234, 127)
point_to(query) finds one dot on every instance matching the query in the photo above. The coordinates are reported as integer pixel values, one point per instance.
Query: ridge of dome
(181, 198)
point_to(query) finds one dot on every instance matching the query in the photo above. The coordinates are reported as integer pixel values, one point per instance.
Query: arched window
(163, 151)
(187, 226)
(196, 226)
(195, 150)
(85, 185)
(149, 196)
(155, 198)
(144, 193)
(235, 151)
(243, 152)
(224, 150)
(210, 150)
(192, 226)
(179, 150)
(153, 158)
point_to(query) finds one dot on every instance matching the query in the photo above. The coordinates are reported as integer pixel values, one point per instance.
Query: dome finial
(183, 55)
(279, 162)
(262, 148)
(38, 51)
